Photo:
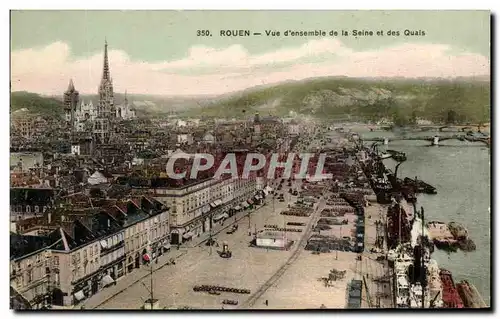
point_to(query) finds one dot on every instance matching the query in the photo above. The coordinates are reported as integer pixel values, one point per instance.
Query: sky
(160, 53)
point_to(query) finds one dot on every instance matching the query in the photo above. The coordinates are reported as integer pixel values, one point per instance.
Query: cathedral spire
(105, 70)
(71, 86)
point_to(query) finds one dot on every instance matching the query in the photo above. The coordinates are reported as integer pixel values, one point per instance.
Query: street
(249, 268)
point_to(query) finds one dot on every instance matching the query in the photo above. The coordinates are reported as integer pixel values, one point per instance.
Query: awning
(226, 200)
(213, 205)
(238, 207)
(79, 295)
(104, 244)
(205, 209)
(221, 216)
(167, 246)
(218, 202)
(268, 189)
(250, 201)
(265, 192)
(258, 197)
(187, 235)
(146, 257)
(107, 280)
(245, 204)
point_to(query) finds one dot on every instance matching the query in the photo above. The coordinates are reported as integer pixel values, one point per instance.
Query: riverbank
(461, 175)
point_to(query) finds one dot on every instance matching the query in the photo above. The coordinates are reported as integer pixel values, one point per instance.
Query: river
(460, 171)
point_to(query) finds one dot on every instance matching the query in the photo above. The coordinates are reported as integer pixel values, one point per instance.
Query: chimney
(49, 217)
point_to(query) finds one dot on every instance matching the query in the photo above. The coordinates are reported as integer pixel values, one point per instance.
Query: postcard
(250, 160)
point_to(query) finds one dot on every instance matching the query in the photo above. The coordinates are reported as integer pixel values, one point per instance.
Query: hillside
(144, 104)
(34, 103)
(402, 100)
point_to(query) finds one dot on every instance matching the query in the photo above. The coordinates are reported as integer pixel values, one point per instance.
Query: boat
(385, 155)
(451, 297)
(401, 264)
(470, 296)
(398, 226)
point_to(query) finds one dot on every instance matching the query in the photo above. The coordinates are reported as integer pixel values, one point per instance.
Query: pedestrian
(267, 302)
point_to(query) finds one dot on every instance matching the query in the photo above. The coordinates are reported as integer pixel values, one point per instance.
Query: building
(63, 265)
(185, 138)
(70, 102)
(78, 259)
(208, 138)
(271, 239)
(28, 125)
(98, 118)
(28, 202)
(146, 228)
(100, 177)
(30, 271)
(194, 203)
(125, 111)
(26, 160)
(293, 128)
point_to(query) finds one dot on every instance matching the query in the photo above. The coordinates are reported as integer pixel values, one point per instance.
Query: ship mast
(423, 270)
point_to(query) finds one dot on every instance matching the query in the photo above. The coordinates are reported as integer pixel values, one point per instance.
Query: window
(91, 251)
(30, 276)
(37, 209)
(28, 208)
(84, 254)
(56, 261)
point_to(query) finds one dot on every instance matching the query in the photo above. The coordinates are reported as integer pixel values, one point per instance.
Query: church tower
(70, 101)
(106, 107)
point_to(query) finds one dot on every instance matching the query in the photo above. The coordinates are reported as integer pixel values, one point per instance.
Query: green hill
(402, 100)
(45, 106)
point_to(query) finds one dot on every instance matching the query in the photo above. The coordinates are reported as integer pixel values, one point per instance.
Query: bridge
(433, 139)
(437, 128)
